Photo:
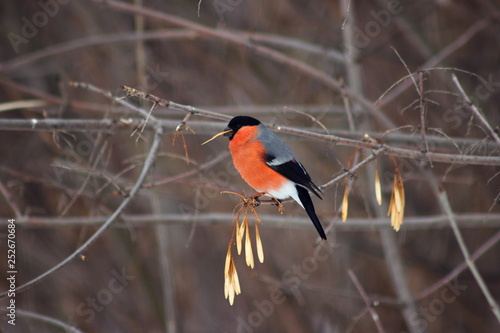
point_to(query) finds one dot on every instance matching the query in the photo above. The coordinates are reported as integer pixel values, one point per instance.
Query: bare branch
(396, 270)
(443, 197)
(446, 52)
(474, 109)
(46, 319)
(10, 200)
(269, 53)
(463, 266)
(366, 299)
(140, 180)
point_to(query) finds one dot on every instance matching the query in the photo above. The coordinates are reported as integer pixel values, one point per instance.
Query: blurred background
(159, 268)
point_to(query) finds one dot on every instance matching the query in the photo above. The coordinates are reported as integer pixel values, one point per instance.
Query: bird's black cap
(238, 122)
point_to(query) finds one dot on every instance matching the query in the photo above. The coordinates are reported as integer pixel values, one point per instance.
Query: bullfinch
(268, 165)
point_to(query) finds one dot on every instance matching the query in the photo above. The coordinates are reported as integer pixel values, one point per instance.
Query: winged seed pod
(397, 204)
(231, 281)
(378, 190)
(345, 203)
(248, 247)
(240, 232)
(258, 244)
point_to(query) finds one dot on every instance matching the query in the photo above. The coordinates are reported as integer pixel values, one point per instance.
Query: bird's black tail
(306, 201)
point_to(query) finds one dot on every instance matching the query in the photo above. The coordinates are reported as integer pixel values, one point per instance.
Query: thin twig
(179, 131)
(463, 266)
(405, 78)
(443, 197)
(443, 54)
(185, 34)
(109, 95)
(262, 50)
(87, 177)
(90, 197)
(140, 54)
(411, 33)
(474, 109)
(395, 264)
(421, 99)
(46, 319)
(349, 172)
(352, 63)
(10, 200)
(22, 104)
(172, 105)
(194, 171)
(140, 180)
(76, 44)
(295, 44)
(422, 108)
(165, 264)
(110, 179)
(305, 114)
(366, 299)
(145, 121)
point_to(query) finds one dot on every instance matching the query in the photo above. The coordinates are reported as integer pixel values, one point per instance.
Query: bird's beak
(217, 135)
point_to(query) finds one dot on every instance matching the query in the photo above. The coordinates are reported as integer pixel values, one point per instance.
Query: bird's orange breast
(248, 158)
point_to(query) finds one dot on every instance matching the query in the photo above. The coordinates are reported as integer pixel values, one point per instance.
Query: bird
(268, 165)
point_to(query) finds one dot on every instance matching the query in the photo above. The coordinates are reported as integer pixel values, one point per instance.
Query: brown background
(175, 266)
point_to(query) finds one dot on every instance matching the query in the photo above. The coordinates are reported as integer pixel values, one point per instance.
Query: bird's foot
(254, 199)
(281, 208)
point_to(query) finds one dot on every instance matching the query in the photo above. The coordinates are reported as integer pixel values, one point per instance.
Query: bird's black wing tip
(321, 232)
(309, 207)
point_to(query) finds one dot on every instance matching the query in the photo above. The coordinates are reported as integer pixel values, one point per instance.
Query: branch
(194, 171)
(294, 44)
(366, 299)
(443, 54)
(108, 125)
(397, 152)
(470, 263)
(46, 319)
(209, 127)
(94, 41)
(262, 50)
(275, 221)
(460, 268)
(349, 172)
(10, 201)
(474, 109)
(140, 180)
(396, 270)
(106, 39)
(172, 105)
